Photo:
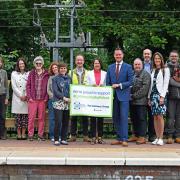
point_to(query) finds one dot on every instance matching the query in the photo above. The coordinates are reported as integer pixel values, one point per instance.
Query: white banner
(91, 101)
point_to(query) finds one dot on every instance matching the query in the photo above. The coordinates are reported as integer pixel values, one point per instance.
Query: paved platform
(13, 152)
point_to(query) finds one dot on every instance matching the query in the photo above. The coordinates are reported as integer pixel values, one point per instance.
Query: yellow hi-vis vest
(75, 77)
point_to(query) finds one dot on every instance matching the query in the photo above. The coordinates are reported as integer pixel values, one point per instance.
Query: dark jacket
(174, 86)
(140, 88)
(30, 86)
(60, 87)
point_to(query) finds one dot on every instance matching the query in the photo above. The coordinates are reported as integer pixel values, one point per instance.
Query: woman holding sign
(60, 87)
(96, 77)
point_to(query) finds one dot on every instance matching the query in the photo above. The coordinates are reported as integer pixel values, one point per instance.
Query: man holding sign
(120, 76)
(79, 77)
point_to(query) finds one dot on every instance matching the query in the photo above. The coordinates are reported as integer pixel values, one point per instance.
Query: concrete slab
(94, 161)
(152, 161)
(36, 158)
(151, 158)
(2, 160)
(3, 156)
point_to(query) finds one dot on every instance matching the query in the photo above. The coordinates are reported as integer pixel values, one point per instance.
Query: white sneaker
(160, 142)
(52, 139)
(64, 142)
(155, 141)
(56, 143)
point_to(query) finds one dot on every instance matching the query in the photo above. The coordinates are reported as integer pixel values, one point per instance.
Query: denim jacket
(60, 87)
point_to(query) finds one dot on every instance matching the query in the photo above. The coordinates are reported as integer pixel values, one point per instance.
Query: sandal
(23, 137)
(19, 137)
(101, 141)
(93, 141)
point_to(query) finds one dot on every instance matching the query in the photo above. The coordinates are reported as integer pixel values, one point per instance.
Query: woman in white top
(19, 103)
(157, 95)
(96, 77)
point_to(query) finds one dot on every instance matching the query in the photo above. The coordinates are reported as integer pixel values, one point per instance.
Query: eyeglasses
(38, 64)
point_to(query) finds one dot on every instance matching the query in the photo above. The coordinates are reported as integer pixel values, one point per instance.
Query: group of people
(148, 90)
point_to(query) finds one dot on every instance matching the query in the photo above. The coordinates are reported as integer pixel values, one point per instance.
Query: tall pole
(55, 50)
(72, 36)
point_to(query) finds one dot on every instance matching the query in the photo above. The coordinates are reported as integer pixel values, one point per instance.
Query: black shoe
(30, 138)
(41, 138)
(3, 137)
(23, 137)
(19, 137)
(151, 139)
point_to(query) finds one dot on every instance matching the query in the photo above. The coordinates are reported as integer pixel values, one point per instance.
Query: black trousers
(96, 125)
(173, 120)
(139, 119)
(151, 130)
(61, 124)
(2, 114)
(84, 121)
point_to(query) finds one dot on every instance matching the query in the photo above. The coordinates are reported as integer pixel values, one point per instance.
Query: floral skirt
(21, 120)
(155, 107)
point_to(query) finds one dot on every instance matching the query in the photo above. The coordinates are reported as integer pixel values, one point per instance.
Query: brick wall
(88, 172)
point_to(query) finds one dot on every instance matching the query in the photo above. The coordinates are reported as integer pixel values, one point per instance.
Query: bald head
(138, 65)
(147, 54)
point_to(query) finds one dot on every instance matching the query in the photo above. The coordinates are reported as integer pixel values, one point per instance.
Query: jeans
(96, 124)
(51, 119)
(85, 123)
(61, 124)
(173, 121)
(139, 119)
(34, 107)
(2, 114)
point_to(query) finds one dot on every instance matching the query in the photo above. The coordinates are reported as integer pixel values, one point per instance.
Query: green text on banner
(91, 101)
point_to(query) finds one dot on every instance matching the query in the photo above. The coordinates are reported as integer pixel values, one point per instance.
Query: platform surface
(14, 152)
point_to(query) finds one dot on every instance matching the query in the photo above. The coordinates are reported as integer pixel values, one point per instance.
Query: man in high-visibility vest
(79, 76)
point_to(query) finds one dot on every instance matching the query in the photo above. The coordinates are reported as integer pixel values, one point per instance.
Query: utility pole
(60, 44)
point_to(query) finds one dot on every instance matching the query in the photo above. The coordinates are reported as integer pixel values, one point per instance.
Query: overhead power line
(104, 10)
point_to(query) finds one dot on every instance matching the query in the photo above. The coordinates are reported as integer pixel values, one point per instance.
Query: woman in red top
(96, 77)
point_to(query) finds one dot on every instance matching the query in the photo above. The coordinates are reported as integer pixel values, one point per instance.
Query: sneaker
(63, 142)
(170, 140)
(41, 138)
(155, 141)
(56, 143)
(52, 139)
(160, 142)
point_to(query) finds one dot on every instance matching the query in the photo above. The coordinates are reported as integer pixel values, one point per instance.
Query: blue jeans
(51, 119)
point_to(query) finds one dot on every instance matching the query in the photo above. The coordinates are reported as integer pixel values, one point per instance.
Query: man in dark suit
(119, 76)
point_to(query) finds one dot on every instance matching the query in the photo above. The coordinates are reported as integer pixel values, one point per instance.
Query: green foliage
(10, 60)
(133, 25)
